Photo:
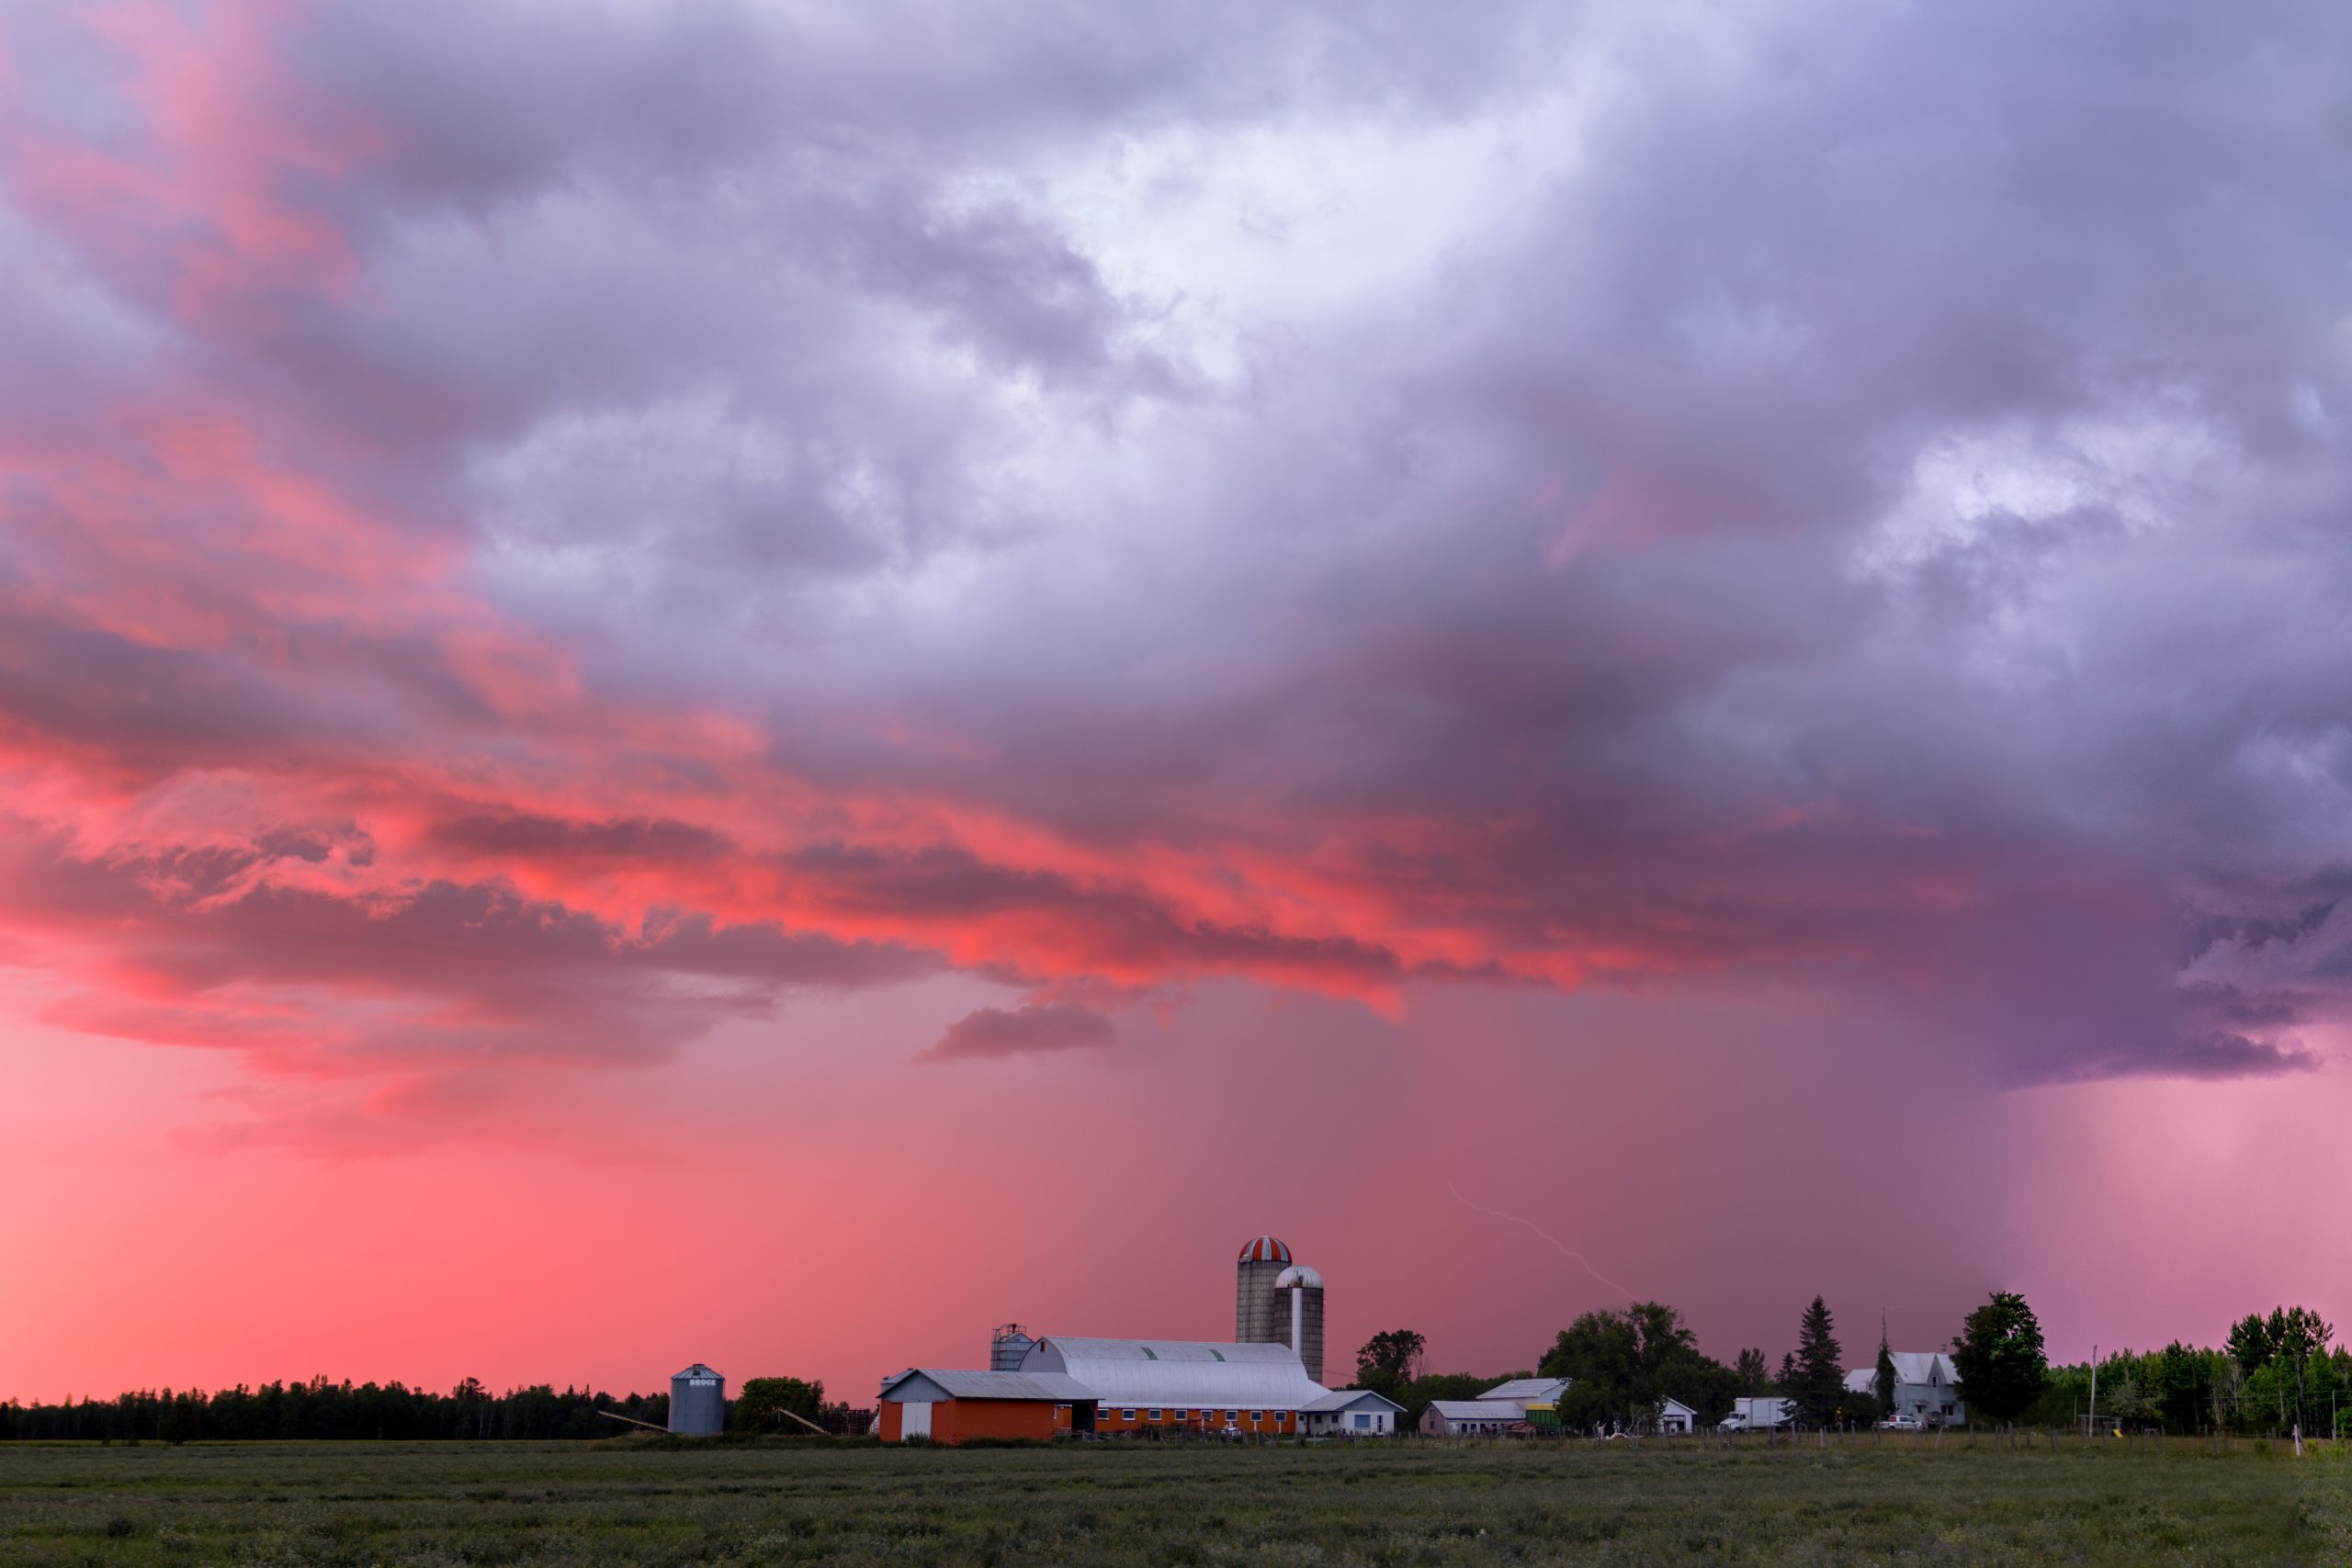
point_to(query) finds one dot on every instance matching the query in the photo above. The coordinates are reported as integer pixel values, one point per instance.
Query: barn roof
(1179, 1372)
(958, 1382)
(1479, 1409)
(1528, 1390)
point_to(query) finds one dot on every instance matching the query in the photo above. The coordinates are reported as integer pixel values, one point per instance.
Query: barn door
(914, 1421)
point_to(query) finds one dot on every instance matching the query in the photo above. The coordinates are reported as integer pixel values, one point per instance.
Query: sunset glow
(826, 649)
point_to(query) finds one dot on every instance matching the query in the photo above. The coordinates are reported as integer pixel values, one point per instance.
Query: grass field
(630, 1502)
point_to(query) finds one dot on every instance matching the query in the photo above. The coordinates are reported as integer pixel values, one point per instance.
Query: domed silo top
(1298, 1274)
(1264, 1249)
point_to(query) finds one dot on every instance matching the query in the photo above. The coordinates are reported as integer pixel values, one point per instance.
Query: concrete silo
(698, 1403)
(1298, 1299)
(1007, 1345)
(1258, 1318)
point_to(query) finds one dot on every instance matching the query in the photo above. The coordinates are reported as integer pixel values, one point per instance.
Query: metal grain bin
(1007, 1346)
(698, 1403)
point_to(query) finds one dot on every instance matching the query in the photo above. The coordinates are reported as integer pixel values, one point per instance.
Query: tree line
(2275, 1371)
(320, 1408)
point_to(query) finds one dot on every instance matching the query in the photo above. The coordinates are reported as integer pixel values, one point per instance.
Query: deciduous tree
(1388, 1360)
(1999, 1356)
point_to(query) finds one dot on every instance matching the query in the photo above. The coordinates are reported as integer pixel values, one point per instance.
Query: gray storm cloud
(1850, 492)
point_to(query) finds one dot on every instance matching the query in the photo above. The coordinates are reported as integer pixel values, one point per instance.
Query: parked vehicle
(1901, 1421)
(1759, 1415)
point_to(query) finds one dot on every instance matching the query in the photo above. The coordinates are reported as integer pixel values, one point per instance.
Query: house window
(1363, 1422)
(1126, 1414)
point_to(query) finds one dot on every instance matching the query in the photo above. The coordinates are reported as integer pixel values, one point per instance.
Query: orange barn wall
(1195, 1419)
(959, 1420)
(956, 1420)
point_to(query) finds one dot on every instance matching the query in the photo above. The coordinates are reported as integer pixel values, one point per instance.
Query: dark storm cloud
(1850, 492)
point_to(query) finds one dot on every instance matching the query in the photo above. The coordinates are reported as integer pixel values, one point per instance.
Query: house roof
(1479, 1409)
(1673, 1406)
(1179, 1372)
(1910, 1366)
(957, 1382)
(1528, 1390)
(1924, 1366)
(1340, 1399)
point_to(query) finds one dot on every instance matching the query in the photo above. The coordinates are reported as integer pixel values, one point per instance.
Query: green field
(627, 1502)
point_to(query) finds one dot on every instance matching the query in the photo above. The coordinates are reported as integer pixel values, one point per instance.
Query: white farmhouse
(1351, 1413)
(1927, 1387)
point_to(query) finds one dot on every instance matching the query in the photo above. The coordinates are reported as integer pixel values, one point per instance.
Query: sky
(768, 682)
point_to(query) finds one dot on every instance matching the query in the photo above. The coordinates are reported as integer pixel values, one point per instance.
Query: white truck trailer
(1760, 1416)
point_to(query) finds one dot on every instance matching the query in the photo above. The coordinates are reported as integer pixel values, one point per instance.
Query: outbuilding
(1351, 1413)
(1471, 1418)
(1524, 1391)
(955, 1405)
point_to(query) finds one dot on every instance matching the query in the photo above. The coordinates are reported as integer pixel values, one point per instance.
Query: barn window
(1153, 1416)
(1126, 1414)
(1233, 1415)
(1180, 1415)
(1255, 1415)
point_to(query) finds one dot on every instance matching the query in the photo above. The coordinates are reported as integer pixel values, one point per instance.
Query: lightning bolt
(1547, 1235)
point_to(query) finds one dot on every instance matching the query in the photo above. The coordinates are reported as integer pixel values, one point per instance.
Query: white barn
(1524, 1391)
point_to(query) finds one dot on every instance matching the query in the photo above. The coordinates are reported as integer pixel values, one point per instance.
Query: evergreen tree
(1885, 1381)
(1817, 1380)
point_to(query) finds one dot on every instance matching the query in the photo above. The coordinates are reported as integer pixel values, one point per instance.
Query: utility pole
(2092, 1424)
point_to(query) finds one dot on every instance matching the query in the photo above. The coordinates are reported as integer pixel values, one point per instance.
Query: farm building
(1927, 1385)
(1471, 1418)
(1529, 1391)
(1353, 1412)
(950, 1405)
(1140, 1384)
